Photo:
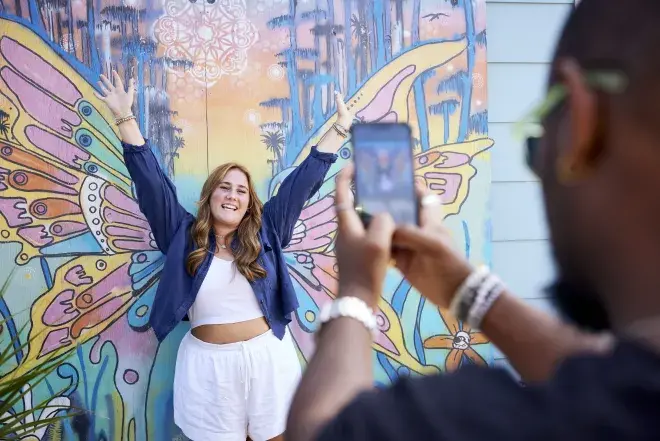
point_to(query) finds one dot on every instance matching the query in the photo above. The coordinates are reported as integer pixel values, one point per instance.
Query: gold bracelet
(124, 119)
(125, 116)
(340, 130)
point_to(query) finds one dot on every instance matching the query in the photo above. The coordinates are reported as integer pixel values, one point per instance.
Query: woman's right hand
(425, 255)
(118, 99)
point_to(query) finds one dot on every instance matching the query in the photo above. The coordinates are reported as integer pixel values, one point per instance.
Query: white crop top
(224, 297)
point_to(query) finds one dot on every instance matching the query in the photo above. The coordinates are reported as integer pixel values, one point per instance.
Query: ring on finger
(430, 199)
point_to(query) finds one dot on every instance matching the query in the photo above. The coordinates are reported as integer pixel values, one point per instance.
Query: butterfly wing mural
(67, 206)
(64, 191)
(446, 169)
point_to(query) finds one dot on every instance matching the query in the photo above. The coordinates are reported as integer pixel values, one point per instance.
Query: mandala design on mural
(216, 37)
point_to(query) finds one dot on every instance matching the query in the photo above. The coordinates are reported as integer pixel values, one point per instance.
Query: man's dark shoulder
(590, 398)
(443, 407)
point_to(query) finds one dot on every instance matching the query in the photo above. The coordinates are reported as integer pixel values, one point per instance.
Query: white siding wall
(521, 39)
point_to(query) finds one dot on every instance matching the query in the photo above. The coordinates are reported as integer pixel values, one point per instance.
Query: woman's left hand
(118, 98)
(344, 116)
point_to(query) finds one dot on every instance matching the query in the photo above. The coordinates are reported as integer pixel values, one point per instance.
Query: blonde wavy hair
(245, 256)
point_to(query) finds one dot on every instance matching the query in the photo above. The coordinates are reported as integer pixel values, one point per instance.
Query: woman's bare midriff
(231, 332)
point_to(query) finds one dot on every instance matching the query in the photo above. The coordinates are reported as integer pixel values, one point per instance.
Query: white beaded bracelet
(465, 293)
(489, 291)
(476, 296)
(352, 307)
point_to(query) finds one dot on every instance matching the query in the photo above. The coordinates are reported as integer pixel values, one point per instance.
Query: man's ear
(578, 159)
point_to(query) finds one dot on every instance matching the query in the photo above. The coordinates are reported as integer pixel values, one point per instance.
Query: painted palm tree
(179, 143)
(479, 123)
(445, 108)
(274, 141)
(481, 39)
(165, 135)
(4, 124)
(291, 63)
(169, 151)
(361, 34)
(283, 104)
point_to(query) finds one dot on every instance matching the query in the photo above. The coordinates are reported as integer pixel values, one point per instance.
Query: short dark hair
(617, 34)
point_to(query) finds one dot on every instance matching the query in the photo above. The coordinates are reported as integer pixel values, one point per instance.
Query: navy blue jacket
(170, 224)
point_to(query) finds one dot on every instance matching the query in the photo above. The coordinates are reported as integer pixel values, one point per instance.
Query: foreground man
(599, 163)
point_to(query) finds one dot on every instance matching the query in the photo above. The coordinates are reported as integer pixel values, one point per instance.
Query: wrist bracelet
(466, 293)
(489, 291)
(123, 119)
(341, 130)
(476, 296)
(352, 307)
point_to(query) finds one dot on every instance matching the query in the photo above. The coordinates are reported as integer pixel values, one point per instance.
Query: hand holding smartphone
(384, 173)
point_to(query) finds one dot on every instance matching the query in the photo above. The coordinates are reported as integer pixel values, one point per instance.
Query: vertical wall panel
(522, 36)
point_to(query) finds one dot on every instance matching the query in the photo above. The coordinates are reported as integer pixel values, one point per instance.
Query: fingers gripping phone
(384, 174)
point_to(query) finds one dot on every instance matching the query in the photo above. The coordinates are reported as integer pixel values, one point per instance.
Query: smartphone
(384, 174)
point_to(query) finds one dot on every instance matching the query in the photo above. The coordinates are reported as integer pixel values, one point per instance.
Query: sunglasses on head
(530, 129)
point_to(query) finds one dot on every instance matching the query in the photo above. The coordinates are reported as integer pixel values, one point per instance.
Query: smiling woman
(228, 202)
(237, 369)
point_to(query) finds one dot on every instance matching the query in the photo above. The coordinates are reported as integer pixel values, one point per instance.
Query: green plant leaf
(14, 388)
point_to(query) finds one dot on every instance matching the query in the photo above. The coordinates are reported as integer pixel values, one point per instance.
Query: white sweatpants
(226, 392)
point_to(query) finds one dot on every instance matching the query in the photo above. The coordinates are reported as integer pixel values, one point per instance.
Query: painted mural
(218, 80)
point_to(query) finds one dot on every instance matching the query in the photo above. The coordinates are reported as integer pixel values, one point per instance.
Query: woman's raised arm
(156, 194)
(284, 208)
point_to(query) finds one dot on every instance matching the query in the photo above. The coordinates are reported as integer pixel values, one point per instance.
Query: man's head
(599, 159)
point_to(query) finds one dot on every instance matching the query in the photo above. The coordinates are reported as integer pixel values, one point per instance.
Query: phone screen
(384, 175)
